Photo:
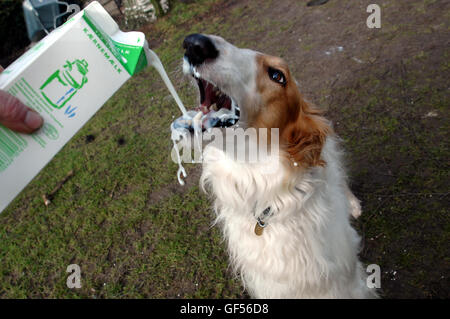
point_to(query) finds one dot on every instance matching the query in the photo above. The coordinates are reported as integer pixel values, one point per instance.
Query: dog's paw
(355, 205)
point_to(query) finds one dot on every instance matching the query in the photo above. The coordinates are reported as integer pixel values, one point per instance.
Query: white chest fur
(308, 249)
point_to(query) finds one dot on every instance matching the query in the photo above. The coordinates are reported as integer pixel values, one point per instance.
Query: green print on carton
(63, 84)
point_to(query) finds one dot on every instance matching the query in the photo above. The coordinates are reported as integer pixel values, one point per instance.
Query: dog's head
(260, 89)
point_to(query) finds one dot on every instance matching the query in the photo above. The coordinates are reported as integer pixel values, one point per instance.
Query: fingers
(17, 116)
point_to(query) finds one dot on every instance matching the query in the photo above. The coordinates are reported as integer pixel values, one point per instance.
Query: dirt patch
(193, 176)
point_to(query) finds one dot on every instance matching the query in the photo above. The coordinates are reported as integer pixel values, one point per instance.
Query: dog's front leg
(355, 204)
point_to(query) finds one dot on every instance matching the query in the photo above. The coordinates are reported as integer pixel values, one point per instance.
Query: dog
(286, 221)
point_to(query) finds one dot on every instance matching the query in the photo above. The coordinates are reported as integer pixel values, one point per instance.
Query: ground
(136, 233)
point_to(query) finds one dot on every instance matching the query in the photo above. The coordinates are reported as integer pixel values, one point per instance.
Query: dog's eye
(277, 76)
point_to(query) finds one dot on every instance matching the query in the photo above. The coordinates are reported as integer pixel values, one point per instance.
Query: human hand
(17, 116)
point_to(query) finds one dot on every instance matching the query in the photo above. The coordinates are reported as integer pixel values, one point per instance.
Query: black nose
(199, 48)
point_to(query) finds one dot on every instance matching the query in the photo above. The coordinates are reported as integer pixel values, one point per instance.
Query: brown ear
(305, 137)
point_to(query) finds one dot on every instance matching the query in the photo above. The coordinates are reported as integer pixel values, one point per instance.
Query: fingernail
(33, 120)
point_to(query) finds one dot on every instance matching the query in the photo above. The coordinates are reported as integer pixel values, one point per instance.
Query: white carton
(66, 77)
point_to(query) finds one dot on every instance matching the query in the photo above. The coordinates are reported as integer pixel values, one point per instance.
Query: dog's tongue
(209, 94)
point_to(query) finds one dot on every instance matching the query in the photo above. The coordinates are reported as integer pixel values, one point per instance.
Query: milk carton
(66, 77)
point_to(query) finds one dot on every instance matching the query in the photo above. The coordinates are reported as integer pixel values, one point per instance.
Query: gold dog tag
(258, 229)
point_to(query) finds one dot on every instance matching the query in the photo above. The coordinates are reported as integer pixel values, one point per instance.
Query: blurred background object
(33, 19)
(41, 17)
(139, 12)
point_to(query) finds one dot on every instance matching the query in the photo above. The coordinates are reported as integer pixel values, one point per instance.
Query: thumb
(17, 116)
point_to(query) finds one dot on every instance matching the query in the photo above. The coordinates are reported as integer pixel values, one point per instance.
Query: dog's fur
(308, 248)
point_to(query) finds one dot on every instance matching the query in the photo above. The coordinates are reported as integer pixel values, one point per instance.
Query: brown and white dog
(286, 222)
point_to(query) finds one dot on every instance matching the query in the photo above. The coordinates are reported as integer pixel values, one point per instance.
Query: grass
(136, 233)
(102, 219)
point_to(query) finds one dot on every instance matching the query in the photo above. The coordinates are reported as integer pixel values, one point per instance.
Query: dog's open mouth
(211, 98)
(218, 109)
